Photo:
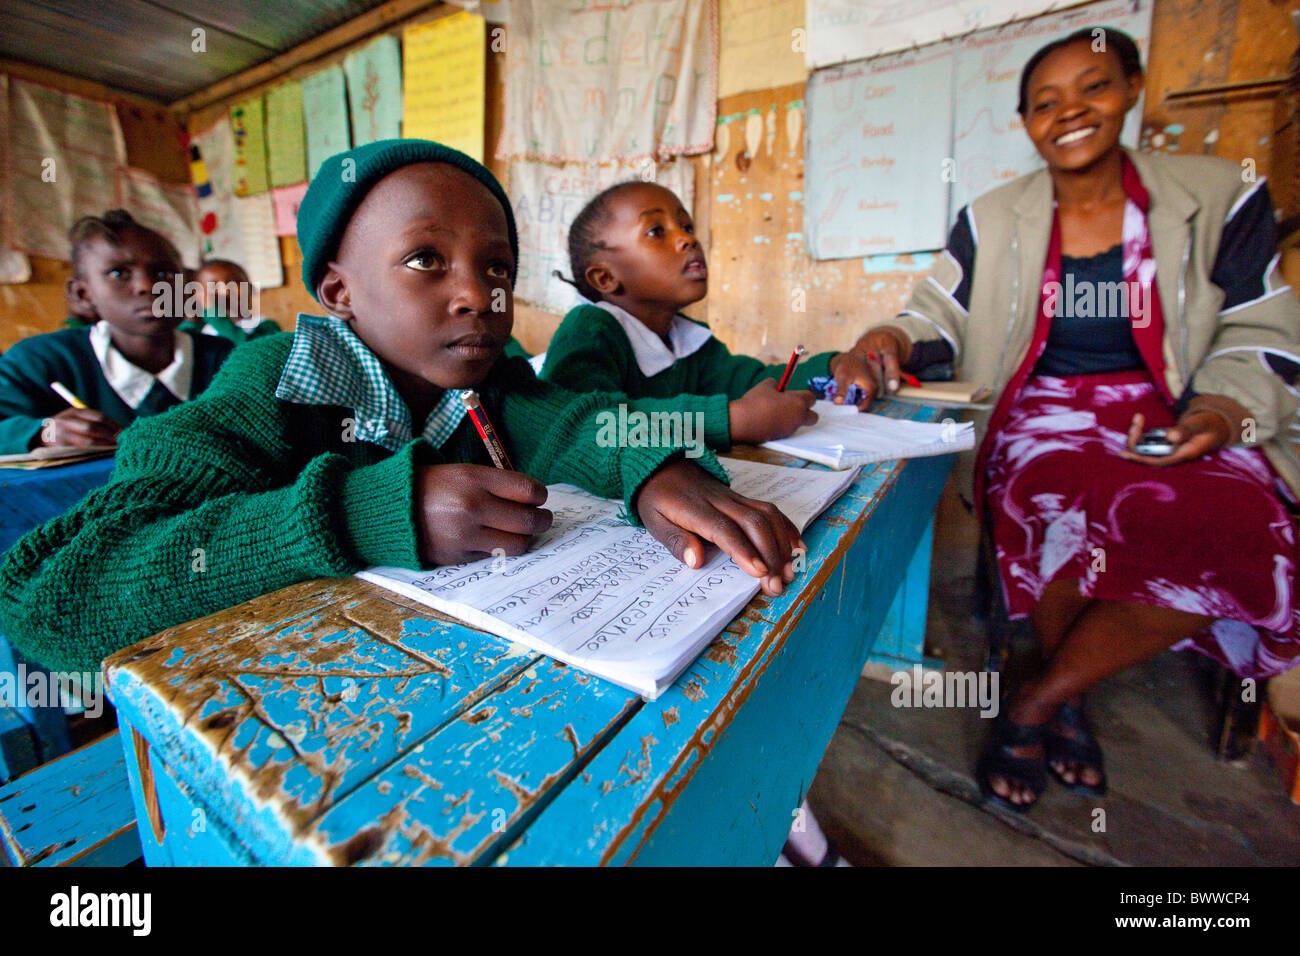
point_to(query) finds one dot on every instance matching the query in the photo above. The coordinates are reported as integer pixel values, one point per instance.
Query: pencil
(789, 368)
(485, 430)
(66, 394)
(908, 377)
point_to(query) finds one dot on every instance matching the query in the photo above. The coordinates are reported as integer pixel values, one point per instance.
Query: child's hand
(78, 427)
(850, 368)
(763, 414)
(463, 512)
(683, 506)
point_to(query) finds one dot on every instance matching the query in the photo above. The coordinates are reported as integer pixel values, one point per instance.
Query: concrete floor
(897, 787)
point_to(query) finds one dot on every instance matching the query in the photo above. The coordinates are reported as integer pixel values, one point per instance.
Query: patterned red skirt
(1211, 536)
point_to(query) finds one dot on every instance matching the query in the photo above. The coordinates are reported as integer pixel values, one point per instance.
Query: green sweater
(228, 328)
(590, 352)
(238, 493)
(67, 356)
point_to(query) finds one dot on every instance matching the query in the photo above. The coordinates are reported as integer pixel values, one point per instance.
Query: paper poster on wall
(374, 75)
(444, 86)
(62, 153)
(762, 46)
(546, 199)
(841, 30)
(248, 126)
(14, 266)
(325, 112)
(875, 161)
(593, 86)
(169, 209)
(286, 144)
(219, 235)
(990, 146)
(286, 200)
(256, 219)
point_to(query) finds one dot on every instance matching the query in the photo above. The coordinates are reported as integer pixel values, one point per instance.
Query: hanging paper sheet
(286, 146)
(762, 45)
(990, 145)
(875, 165)
(14, 266)
(287, 200)
(595, 85)
(248, 125)
(325, 109)
(840, 30)
(63, 150)
(219, 236)
(256, 219)
(546, 199)
(444, 88)
(375, 90)
(167, 208)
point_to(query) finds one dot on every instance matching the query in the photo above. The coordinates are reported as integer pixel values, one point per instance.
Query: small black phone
(1155, 442)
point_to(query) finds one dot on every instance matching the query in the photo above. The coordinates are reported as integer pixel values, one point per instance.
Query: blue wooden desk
(336, 723)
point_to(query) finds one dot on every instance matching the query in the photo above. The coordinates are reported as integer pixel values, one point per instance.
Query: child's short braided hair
(110, 227)
(585, 237)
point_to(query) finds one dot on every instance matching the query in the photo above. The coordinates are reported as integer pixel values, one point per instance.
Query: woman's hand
(464, 512)
(683, 507)
(79, 427)
(1200, 431)
(764, 414)
(850, 368)
(891, 347)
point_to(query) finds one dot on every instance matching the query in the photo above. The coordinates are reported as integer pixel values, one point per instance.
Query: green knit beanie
(343, 181)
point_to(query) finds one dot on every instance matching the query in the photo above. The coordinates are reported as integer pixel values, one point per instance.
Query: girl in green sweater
(345, 444)
(635, 257)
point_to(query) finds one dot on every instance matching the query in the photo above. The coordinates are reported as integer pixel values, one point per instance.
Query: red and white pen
(789, 368)
(485, 430)
(908, 377)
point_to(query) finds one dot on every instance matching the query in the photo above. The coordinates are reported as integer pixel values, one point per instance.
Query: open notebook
(49, 457)
(845, 437)
(606, 597)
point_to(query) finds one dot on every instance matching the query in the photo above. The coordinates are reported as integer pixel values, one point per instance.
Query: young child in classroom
(227, 297)
(635, 258)
(127, 363)
(346, 443)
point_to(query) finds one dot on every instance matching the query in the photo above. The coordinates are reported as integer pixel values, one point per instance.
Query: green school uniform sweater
(228, 328)
(67, 356)
(514, 350)
(591, 352)
(272, 493)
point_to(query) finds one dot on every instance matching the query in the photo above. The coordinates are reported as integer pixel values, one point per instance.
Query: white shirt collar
(652, 355)
(133, 383)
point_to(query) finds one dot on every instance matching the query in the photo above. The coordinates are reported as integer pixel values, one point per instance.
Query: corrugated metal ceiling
(145, 46)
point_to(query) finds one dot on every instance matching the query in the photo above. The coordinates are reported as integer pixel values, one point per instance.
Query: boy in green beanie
(345, 443)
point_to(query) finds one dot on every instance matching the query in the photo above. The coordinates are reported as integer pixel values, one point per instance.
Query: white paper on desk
(844, 438)
(606, 597)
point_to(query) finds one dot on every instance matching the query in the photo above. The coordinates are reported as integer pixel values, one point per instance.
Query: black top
(1091, 331)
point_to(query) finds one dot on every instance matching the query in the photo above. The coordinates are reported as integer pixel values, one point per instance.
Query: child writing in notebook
(346, 444)
(227, 297)
(129, 364)
(635, 257)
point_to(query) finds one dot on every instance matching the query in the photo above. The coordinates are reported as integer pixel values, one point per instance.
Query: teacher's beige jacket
(1218, 352)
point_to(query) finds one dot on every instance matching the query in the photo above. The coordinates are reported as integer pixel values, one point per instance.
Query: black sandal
(997, 760)
(1080, 747)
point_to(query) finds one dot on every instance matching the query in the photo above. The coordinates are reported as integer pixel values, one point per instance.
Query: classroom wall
(752, 216)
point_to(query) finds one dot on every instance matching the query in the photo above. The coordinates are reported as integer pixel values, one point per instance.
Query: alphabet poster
(875, 161)
(596, 82)
(546, 199)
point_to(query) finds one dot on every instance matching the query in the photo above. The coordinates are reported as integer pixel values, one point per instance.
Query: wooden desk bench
(336, 723)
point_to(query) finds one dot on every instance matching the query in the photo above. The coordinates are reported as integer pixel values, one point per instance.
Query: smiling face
(1076, 103)
(422, 275)
(115, 281)
(651, 256)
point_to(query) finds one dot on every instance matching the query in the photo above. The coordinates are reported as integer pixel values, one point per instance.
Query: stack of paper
(606, 597)
(951, 394)
(844, 437)
(49, 457)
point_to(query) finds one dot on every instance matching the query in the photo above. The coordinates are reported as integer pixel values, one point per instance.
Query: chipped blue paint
(796, 194)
